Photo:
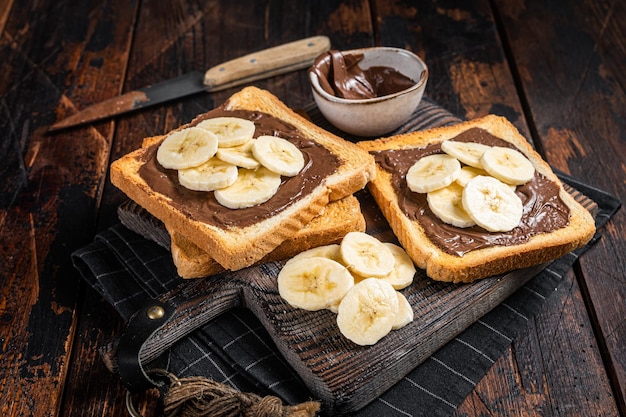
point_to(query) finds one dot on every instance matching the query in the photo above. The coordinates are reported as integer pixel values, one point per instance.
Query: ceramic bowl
(375, 116)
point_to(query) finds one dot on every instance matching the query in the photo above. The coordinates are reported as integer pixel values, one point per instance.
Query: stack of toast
(321, 212)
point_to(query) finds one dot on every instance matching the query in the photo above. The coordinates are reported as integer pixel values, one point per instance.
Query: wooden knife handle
(266, 63)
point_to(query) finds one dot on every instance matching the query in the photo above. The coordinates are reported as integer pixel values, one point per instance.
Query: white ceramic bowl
(379, 115)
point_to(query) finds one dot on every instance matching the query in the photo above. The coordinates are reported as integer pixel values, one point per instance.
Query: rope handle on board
(202, 397)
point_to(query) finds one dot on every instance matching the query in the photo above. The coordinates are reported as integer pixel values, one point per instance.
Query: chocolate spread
(341, 76)
(202, 205)
(544, 211)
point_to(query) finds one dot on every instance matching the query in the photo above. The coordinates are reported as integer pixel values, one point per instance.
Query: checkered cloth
(127, 270)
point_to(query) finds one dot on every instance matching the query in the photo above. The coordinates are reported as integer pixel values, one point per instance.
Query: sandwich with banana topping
(241, 179)
(474, 200)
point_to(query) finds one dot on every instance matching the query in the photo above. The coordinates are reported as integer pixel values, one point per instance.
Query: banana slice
(186, 148)
(230, 131)
(210, 176)
(433, 172)
(252, 187)
(405, 312)
(447, 204)
(467, 173)
(278, 155)
(508, 165)
(365, 255)
(239, 155)
(467, 152)
(403, 268)
(326, 251)
(492, 204)
(314, 283)
(334, 307)
(368, 311)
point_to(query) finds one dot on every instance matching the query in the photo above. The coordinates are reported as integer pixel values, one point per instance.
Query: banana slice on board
(368, 311)
(252, 187)
(239, 155)
(186, 148)
(403, 268)
(365, 255)
(447, 204)
(433, 172)
(278, 155)
(405, 312)
(209, 176)
(314, 283)
(230, 131)
(508, 165)
(334, 308)
(492, 204)
(469, 153)
(326, 251)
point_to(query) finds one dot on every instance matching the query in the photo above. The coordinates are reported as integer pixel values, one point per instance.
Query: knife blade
(258, 65)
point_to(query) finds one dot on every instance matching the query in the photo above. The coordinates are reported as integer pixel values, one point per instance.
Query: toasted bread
(333, 223)
(439, 262)
(236, 246)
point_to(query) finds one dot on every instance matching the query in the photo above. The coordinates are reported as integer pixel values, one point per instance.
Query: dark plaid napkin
(127, 270)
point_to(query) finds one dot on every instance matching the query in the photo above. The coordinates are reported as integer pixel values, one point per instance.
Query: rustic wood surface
(554, 68)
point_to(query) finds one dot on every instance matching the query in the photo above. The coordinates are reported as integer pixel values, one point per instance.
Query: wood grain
(470, 70)
(577, 103)
(537, 378)
(59, 190)
(474, 50)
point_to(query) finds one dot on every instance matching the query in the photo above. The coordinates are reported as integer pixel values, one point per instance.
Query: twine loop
(202, 397)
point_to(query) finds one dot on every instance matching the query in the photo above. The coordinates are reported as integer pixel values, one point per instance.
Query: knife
(255, 66)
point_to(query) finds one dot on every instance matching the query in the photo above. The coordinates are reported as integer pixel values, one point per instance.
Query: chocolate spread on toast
(202, 206)
(544, 211)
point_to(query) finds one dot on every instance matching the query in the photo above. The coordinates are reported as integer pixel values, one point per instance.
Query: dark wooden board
(340, 373)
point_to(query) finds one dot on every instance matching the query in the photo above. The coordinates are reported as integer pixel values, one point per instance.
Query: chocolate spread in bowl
(202, 205)
(544, 211)
(341, 76)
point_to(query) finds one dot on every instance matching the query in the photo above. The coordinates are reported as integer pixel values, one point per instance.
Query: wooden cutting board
(342, 375)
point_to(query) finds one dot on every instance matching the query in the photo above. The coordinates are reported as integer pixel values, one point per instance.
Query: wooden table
(555, 68)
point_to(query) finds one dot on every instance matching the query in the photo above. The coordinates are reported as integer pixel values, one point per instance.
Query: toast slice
(333, 223)
(236, 244)
(432, 244)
